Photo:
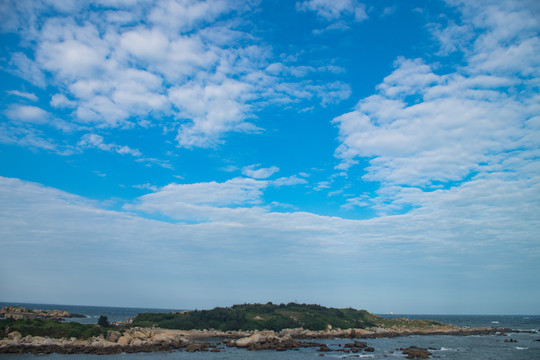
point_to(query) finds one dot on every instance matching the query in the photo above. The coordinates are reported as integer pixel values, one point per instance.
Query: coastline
(137, 340)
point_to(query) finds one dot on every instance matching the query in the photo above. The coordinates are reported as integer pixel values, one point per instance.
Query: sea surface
(441, 346)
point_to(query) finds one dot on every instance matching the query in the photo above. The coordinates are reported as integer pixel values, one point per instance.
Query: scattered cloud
(422, 130)
(146, 186)
(27, 69)
(26, 137)
(199, 201)
(94, 141)
(322, 185)
(289, 181)
(25, 95)
(422, 127)
(61, 101)
(330, 10)
(27, 113)
(254, 171)
(387, 11)
(181, 67)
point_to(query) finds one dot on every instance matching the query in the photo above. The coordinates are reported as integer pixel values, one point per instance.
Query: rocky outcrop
(147, 340)
(371, 333)
(113, 336)
(136, 340)
(414, 352)
(266, 340)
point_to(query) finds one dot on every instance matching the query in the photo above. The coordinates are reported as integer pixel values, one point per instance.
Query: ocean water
(441, 346)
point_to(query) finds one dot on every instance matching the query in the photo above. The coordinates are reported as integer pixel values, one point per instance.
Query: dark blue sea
(441, 346)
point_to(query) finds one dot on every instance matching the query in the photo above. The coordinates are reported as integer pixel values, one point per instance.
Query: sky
(381, 154)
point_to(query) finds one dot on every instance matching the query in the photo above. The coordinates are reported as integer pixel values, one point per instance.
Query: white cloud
(96, 141)
(422, 129)
(26, 137)
(146, 186)
(202, 201)
(164, 63)
(246, 237)
(27, 69)
(61, 101)
(334, 9)
(175, 65)
(322, 185)
(214, 110)
(288, 181)
(184, 15)
(25, 95)
(256, 172)
(27, 113)
(232, 200)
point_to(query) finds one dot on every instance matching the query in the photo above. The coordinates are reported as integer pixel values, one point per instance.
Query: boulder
(356, 345)
(124, 340)
(41, 341)
(113, 336)
(253, 339)
(136, 342)
(287, 341)
(14, 336)
(324, 347)
(414, 352)
(163, 338)
(197, 346)
(140, 333)
(360, 344)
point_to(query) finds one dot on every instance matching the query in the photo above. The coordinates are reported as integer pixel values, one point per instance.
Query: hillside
(271, 317)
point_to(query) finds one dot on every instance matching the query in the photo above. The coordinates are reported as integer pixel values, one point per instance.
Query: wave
(446, 349)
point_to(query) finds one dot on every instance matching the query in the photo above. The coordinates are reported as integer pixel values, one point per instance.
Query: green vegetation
(263, 316)
(50, 328)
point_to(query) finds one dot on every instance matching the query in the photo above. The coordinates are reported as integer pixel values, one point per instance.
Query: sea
(525, 347)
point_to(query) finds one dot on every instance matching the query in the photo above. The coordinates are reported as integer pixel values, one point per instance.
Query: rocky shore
(150, 340)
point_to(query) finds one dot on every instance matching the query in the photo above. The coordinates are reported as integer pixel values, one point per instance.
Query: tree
(103, 321)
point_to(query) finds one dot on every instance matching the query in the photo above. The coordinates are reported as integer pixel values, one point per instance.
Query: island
(19, 312)
(250, 326)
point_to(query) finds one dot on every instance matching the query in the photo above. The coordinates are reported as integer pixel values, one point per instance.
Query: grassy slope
(271, 317)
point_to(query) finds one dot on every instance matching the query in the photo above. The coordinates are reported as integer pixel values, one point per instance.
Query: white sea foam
(446, 349)
(521, 348)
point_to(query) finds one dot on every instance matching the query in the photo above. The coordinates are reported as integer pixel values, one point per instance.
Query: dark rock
(369, 349)
(197, 346)
(414, 352)
(324, 347)
(360, 344)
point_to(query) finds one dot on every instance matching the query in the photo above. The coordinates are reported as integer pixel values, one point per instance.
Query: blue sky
(190, 154)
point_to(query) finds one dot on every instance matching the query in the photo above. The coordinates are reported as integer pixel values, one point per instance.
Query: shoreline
(137, 340)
